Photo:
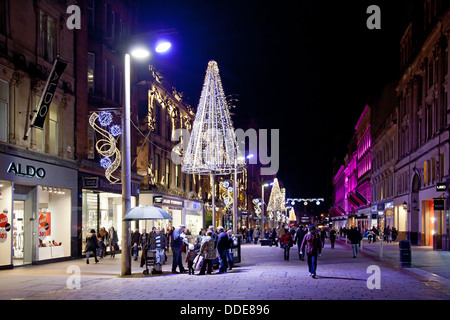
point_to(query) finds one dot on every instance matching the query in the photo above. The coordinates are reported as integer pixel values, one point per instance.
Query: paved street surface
(262, 275)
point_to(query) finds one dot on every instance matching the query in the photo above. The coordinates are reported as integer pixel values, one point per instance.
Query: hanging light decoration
(105, 118)
(106, 146)
(115, 130)
(105, 162)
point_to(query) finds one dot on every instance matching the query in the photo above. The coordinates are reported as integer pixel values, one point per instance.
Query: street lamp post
(126, 172)
(139, 53)
(262, 210)
(235, 191)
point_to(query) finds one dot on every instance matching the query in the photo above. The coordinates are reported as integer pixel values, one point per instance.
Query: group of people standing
(210, 246)
(98, 244)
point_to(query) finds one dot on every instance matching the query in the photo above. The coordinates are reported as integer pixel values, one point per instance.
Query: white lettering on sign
(42, 233)
(3, 236)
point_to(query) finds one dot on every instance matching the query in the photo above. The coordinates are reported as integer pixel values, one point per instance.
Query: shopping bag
(198, 262)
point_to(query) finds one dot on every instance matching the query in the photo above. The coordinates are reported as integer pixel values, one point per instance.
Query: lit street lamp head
(163, 46)
(140, 53)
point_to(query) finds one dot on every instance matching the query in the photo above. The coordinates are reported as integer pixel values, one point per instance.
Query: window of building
(47, 36)
(4, 110)
(91, 72)
(53, 129)
(167, 173)
(156, 170)
(3, 16)
(177, 176)
(113, 81)
(433, 169)
(91, 14)
(425, 173)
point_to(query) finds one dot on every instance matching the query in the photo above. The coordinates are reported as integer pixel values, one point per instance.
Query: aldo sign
(27, 171)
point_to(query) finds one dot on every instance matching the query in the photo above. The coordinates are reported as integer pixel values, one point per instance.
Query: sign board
(441, 187)
(47, 95)
(90, 182)
(439, 204)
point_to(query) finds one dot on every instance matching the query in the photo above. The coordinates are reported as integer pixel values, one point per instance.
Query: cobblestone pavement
(262, 275)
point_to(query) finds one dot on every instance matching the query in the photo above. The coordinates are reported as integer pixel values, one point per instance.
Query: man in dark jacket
(355, 238)
(177, 243)
(222, 248)
(301, 232)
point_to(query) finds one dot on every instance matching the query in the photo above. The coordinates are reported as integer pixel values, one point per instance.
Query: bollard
(405, 253)
(380, 252)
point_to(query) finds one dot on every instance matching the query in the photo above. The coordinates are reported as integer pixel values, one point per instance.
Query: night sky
(307, 68)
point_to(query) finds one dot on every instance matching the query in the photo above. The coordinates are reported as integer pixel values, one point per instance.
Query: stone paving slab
(262, 275)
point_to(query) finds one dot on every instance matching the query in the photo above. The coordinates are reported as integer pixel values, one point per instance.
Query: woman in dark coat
(91, 245)
(113, 241)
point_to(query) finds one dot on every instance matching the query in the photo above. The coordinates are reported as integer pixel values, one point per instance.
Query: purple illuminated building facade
(352, 182)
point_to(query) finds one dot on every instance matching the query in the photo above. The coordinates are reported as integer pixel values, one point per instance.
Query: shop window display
(102, 210)
(54, 222)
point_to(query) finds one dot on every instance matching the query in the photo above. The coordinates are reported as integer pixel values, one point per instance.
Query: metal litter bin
(405, 253)
(237, 249)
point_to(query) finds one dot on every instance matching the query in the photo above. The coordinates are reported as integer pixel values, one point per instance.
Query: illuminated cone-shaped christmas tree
(276, 200)
(212, 147)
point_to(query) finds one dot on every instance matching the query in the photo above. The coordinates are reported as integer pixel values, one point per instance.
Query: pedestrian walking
(332, 238)
(355, 238)
(190, 256)
(300, 234)
(113, 241)
(256, 235)
(222, 248)
(273, 237)
(286, 243)
(323, 235)
(232, 242)
(208, 252)
(394, 234)
(177, 243)
(91, 245)
(102, 235)
(313, 246)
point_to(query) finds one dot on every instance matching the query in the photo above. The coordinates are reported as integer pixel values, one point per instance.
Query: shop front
(363, 219)
(171, 204)
(102, 206)
(194, 219)
(38, 218)
(432, 220)
(401, 216)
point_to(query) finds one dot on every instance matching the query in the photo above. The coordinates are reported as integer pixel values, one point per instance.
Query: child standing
(190, 256)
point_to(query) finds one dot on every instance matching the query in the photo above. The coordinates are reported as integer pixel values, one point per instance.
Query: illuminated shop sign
(27, 171)
(167, 201)
(441, 186)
